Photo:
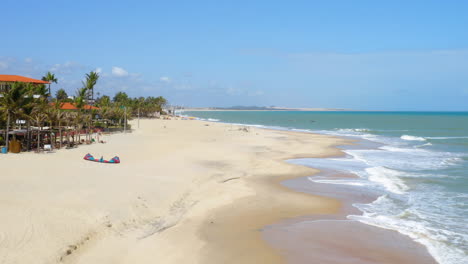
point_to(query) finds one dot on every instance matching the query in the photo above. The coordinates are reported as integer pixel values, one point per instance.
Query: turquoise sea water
(416, 161)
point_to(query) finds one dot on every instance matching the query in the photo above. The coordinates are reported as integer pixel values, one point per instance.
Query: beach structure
(7, 80)
(6, 83)
(71, 106)
(32, 108)
(36, 120)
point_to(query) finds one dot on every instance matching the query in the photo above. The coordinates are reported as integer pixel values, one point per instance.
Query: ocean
(416, 161)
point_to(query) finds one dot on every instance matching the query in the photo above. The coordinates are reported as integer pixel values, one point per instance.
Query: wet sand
(333, 239)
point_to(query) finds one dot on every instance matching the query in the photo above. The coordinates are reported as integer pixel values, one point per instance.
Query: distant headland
(260, 108)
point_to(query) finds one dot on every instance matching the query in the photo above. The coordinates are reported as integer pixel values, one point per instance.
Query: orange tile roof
(90, 107)
(70, 106)
(17, 78)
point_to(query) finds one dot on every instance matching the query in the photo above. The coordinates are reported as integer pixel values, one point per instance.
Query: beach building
(18, 134)
(71, 106)
(7, 80)
(5, 84)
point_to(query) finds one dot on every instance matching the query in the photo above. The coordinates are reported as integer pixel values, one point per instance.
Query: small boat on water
(90, 157)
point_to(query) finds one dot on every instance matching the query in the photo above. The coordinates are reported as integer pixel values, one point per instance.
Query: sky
(362, 55)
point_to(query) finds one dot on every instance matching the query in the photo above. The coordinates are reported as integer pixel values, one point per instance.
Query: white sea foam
(410, 159)
(301, 130)
(412, 138)
(439, 238)
(363, 133)
(426, 215)
(353, 182)
(352, 129)
(206, 119)
(388, 178)
(424, 145)
(446, 137)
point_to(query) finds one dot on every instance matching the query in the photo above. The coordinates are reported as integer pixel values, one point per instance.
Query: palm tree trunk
(7, 131)
(28, 135)
(60, 131)
(38, 138)
(90, 131)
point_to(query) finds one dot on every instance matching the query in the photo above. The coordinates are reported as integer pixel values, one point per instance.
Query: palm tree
(91, 80)
(80, 100)
(61, 94)
(78, 123)
(103, 101)
(26, 114)
(39, 102)
(50, 77)
(121, 98)
(87, 118)
(41, 110)
(38, 117)
(86, 95)
(53, 118)
(59, 116)
(68, 118)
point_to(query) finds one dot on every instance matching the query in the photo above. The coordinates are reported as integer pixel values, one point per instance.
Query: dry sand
(185, 192)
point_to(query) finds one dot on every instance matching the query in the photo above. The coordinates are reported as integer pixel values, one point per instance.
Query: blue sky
(369, 55)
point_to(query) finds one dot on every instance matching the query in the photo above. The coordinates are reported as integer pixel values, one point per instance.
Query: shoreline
(270, 110)
(300, 245)
(212, 208)
(333, 238)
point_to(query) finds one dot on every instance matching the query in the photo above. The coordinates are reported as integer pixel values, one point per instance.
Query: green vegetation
(61, 95)
(32, 103)
(141, 106)
(49, 77)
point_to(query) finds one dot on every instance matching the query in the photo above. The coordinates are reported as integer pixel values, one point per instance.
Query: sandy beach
(186, 191)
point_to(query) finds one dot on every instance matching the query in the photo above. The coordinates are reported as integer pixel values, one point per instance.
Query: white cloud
(256, 93)
(68, 67)
(234, 91)
(28, 60)
(3, 65)
(119, 72)
(165, 79)
(98, 70)
(183, 87)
